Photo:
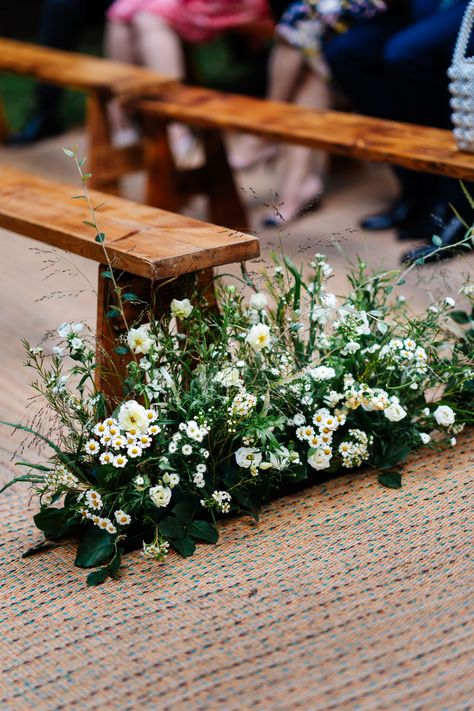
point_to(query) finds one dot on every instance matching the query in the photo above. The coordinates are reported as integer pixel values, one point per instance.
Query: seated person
(394, 71)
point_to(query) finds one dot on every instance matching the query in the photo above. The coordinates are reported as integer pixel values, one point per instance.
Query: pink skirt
(194, 20)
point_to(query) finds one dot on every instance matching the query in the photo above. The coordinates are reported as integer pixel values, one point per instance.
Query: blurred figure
(150, 32)
(399, 72)
(298, 73)
(61, 25)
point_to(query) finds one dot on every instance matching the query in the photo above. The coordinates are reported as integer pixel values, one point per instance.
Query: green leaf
(97, 577)
(184, 546)
(63, 457)
(39, 548)
(420, 261)
(115, 563)
(53, 522)
(401, 282)
(171, 528)
(121, 350)
(95, 548)
(382, 326)
(107, 274)
(41, 467)
(70, 154)
(113, 312)
(437, 241)
(460, 317)
(204, 531)
(391, 479)
(185, 510)
(99, 237)
(32, 478)
(130, 296)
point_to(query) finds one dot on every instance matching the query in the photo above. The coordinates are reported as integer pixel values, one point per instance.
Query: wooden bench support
(155, 254)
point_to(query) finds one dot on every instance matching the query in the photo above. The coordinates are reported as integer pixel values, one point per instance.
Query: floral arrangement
(224, 408)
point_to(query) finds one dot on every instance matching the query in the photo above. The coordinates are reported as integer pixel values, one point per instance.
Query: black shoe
(424, 225)
(452, 233)
(400, 212)
(38, 127)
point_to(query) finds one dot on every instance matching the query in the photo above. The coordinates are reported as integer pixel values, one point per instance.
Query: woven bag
(461, 74)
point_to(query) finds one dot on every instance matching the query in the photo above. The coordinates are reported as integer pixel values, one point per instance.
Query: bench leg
(100, 145)
(4, 127)
(225, 204)
(162, 189)
(112, 367)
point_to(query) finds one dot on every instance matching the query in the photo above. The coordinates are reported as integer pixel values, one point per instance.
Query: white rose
(319, 460)
(395, 412)
(132, 415)
(139, 340)
(258, 337)
(181, 309)
(444, 416)
(258, 301)
(279, 460)
(425, 437)
(248, 457)
(160, 495)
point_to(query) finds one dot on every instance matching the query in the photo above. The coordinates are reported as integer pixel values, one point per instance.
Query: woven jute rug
(345, 596)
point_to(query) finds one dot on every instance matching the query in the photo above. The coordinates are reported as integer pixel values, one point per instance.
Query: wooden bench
(155, 254)
(418, 148)
(102, 80)
(157, 101)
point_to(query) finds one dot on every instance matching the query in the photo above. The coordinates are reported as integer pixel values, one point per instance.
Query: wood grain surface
(142, 240)
(76, 71)
(421, 148)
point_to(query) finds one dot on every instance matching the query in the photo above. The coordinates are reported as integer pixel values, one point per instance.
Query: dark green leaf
(88, 223)
(185, 546)
(41, 467)
(32, 478)
(460, 317)
(115, 563)
(100, 237)
(107, 274)
(171, 528)
(53, 522)
(95, 548)
(401, 282)
(391, 479)
(121, 350)
(204, 531)
(130, 296)
(185, 510)
(113, 312)
(437, 241)
(39, 548)
(420, 261)
(97, 577)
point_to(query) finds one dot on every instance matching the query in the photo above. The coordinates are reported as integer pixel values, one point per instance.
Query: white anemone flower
(133, 416)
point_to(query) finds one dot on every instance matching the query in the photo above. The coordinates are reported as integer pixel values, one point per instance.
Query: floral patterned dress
(194, 20)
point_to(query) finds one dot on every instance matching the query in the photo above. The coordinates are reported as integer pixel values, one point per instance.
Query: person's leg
(118, 45)
(61, 23)
(286, 66)
(303, 168)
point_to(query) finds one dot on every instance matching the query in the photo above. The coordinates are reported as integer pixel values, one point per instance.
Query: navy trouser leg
(416, 61)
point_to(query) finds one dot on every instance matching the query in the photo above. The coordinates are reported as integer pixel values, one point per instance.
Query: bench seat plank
(421, 148)
(77, 71)
(142, 240)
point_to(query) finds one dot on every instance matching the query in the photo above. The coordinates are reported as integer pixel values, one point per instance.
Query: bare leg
(159, 48)
(118, 45)
(286, 66)
(303, 168)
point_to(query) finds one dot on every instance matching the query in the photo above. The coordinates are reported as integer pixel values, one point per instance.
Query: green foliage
(390, 479)
(96, 547)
